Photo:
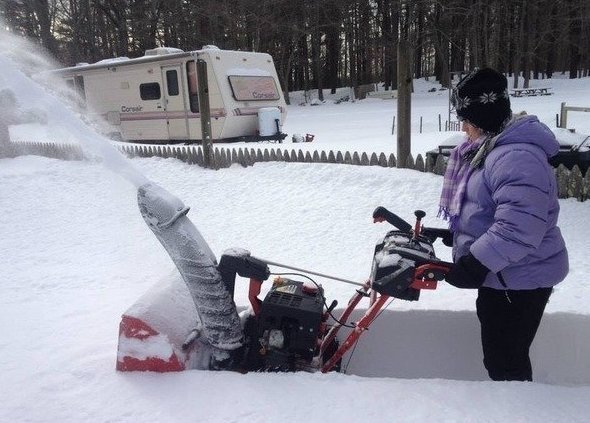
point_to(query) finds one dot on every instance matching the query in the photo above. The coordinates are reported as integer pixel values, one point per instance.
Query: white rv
(154, 98)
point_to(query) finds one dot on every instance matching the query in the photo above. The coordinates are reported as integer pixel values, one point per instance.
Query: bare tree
(324, 43)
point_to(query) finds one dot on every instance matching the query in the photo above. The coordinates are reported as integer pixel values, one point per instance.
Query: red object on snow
(152, 331)
(134, 328)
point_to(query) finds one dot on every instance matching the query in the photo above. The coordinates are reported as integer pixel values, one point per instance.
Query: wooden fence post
(374, 161)
(391, 162)
(563, 117)
(440, 165)
(205, 111)
(586, 186)
(562, 175)
(347, 158)
(575, 183)
(419, 165)
(356, 160)
(404, 101)
(364, 159)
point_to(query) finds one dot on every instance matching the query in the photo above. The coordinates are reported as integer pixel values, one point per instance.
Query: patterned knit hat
(482, 98)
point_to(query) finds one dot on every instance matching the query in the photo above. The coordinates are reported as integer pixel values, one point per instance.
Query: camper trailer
(154, 98)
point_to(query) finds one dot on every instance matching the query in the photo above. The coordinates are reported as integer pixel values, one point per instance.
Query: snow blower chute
(193, 323)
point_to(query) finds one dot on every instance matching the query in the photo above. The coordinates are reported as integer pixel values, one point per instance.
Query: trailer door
(174, 103)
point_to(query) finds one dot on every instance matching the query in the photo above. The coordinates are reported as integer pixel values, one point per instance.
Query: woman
(499, 194)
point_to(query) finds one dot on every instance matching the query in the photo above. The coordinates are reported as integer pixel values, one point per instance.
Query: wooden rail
(564, 111)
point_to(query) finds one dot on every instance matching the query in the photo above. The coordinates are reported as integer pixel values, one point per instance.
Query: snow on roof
(160, 51)
(111, 60)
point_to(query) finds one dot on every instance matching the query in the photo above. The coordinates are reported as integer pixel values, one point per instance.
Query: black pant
(509, 321)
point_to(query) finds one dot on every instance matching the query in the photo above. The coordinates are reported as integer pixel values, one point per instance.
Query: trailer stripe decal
(217, 113)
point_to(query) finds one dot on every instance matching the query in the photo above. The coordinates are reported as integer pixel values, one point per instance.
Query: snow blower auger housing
(292, 328)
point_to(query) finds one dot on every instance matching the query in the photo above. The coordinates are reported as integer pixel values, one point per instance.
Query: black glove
(444, 234)
(468, 272)
(448, 239)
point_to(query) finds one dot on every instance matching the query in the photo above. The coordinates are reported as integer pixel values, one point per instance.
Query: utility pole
(404, 103)
(205, 111)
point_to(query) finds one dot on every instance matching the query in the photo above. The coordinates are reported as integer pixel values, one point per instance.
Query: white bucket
(267, 117)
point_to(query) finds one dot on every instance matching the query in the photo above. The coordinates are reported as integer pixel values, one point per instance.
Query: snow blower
(193, 323)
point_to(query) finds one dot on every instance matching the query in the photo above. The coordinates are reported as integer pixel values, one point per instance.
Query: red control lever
(427, 275)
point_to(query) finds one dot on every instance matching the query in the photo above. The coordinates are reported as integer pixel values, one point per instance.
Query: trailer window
(247, 88)
(172, 82)
(150, 91)
(193, 89)
(79, 82)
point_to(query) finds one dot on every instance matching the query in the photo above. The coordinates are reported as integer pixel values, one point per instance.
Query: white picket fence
(571, 183)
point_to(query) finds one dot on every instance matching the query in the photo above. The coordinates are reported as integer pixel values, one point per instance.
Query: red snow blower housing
(293, 328)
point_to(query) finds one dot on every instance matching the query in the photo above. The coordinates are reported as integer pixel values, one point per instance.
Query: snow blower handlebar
(404, 263)
(381, 214)
(418, 272)
(240, 262)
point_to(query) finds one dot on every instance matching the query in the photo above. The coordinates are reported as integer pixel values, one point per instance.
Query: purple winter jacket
(508, 218)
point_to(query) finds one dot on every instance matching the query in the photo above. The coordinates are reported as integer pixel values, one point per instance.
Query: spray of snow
(19, 61)
(160, 209)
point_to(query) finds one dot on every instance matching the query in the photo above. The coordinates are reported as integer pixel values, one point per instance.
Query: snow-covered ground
(344, 126)
(75, 254)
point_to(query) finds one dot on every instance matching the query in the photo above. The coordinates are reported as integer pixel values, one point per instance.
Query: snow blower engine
(293, 327)
(283, 331)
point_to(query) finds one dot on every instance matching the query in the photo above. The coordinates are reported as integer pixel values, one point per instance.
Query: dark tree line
(323, 44)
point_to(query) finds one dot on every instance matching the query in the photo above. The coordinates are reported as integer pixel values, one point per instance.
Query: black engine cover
(395, 261)
(287, 329)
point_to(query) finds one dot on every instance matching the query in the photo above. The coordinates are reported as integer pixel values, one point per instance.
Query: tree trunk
(333, 46)
(518, 44)
(316, 50)
(352, 54)
(575, 25)
(41, 8)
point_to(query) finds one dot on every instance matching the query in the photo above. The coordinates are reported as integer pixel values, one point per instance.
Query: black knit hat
(482, 98)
